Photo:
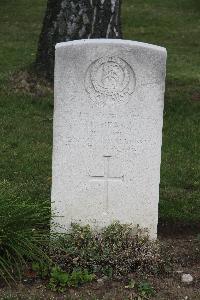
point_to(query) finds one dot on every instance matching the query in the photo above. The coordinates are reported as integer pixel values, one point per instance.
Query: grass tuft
(23, 235)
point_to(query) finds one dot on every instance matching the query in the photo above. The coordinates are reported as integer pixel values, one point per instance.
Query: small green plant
(78, 277)
(131, 284)
(42, 269)
(107, 271)
(145, 289)
(60, 280)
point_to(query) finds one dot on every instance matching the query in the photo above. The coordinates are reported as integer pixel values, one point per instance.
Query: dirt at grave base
(185, 250)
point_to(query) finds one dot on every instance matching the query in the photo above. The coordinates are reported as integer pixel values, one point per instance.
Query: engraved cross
(106, 177)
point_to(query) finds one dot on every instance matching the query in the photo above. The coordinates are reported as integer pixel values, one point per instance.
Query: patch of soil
(170, 228)
(184, 252)
(25, 81)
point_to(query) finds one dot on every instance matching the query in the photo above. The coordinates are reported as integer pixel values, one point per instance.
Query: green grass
(176, 26)
(26, 121)
(172, 24)
(25, 129)
(20, 237)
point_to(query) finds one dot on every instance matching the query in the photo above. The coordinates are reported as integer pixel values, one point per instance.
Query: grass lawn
(26, 121)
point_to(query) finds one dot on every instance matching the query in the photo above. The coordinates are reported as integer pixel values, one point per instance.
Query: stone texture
(108, 117)
(187, 278)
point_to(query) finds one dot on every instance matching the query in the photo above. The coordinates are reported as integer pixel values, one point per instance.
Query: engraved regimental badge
(110, 80)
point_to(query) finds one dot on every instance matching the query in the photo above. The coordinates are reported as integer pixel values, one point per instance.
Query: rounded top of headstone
(112, 41)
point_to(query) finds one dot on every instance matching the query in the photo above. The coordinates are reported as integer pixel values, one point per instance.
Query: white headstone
(108, 117)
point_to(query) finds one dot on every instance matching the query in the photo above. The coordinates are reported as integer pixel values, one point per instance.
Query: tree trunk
(67, 20)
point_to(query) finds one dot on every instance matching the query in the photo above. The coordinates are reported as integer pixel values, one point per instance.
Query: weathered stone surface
(187, 278)
(108, 120)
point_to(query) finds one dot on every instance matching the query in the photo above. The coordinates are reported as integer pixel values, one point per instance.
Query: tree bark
(67, 20)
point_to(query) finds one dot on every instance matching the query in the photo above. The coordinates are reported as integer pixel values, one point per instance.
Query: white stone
(187, 278)
(108, 118)
(100, 281)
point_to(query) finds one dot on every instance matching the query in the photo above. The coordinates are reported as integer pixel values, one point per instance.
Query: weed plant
(116, 250)
(23, 236)
(59, 279)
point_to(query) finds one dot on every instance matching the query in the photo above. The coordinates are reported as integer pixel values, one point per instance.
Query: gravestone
(108, 118)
